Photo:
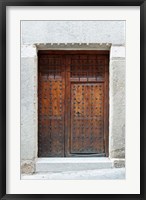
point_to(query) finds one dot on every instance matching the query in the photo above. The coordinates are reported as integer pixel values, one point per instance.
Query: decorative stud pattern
(87, 67)
(51, 109)
(71, 93)
(87, 118)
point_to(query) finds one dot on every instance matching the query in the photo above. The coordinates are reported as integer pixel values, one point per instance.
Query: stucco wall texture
(73, 32)
(96, 34)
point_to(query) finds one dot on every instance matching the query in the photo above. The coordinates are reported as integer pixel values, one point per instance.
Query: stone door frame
(29, 100)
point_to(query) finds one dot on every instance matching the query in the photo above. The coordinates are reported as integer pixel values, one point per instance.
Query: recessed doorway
(73, 103)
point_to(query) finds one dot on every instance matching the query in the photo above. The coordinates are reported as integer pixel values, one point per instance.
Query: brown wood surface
(73, 103)
(73, 52)
(51, 94)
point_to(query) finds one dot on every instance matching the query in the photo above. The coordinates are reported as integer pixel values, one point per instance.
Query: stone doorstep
(72, 164)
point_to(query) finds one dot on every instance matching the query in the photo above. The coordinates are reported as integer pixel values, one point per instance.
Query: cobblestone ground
(100, 174)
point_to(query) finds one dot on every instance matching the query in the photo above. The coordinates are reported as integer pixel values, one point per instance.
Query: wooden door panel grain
(73, 103)
(88, 113)
(87, 118)
(51, 107)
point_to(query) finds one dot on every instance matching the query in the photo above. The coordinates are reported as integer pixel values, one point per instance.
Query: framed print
(72, 99)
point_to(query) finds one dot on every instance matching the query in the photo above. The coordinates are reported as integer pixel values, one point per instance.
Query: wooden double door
(73, 103)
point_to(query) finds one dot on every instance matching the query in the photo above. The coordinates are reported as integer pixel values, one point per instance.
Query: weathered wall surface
(73, 31)
(28, 107)
(95, 32)
(117, 102)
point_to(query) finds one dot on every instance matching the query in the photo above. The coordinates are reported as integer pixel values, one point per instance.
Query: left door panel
(51, 97)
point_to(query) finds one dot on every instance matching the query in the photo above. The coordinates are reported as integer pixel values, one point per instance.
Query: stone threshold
(72, 164)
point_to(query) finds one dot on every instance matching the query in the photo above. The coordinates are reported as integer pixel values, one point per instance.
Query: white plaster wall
(33, 32)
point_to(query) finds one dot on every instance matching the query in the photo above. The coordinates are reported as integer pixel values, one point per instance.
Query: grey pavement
(99, 174)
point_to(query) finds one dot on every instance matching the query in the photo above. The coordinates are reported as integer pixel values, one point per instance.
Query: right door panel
(87, 118)
(88, 109)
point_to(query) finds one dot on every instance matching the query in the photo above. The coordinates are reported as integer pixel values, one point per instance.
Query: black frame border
(3, 5)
